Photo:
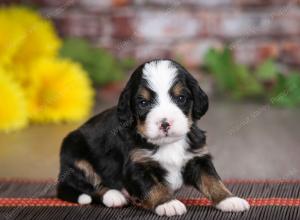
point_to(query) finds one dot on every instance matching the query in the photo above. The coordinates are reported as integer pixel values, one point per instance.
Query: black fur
(107, 139)
(140, 177)
(197, 167)
(196, 137)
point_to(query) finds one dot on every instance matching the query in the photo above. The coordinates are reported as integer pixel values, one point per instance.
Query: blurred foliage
(102, 66)
(266, 71)
(286, 91)
(240, 81)
(231, 77)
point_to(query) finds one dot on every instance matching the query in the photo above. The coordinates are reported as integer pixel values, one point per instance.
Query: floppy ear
(125, 108)
(124, 105)
(200, 99)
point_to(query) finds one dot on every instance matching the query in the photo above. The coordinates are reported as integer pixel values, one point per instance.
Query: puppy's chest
(173, 158)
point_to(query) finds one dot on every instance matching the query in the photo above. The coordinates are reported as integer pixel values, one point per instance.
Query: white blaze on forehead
(160, 75)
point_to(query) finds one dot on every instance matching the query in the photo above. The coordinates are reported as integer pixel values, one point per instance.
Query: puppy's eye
(144, 103)
(181, 99)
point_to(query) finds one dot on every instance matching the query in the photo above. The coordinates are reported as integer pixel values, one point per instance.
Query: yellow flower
(13, 110)
(10, 38)
(58, 90)
(27, 36)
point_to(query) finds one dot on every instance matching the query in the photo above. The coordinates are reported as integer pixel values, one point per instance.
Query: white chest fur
(173, 157)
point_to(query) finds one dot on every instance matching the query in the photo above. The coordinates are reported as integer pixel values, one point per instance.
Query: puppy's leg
(147, 187)
(73, 187)
(200, 173)
(102, 193)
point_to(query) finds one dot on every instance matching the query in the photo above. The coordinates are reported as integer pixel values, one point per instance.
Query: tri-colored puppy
(145, 148)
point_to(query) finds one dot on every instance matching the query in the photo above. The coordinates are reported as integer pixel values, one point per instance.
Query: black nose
(165, 125)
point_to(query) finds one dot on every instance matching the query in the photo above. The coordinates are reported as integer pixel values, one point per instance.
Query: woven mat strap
(10, 202)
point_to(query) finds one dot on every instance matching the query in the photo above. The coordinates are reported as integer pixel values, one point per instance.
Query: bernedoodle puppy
(145, 148)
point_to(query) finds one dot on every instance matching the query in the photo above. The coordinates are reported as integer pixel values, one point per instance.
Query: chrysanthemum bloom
(10, 38)
(13, 109)
(58, 90)
(36, 39)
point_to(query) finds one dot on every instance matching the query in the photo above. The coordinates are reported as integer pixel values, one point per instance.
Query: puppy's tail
(70, 194)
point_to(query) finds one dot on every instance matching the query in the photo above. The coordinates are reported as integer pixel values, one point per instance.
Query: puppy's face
(162, 101)
(162, 104)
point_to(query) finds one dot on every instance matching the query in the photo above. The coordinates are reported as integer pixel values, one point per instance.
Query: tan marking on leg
(157, 195)
(89, 172)
(213, 188)
(101, 190)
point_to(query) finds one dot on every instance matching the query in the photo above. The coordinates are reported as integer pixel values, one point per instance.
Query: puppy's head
(162, 100)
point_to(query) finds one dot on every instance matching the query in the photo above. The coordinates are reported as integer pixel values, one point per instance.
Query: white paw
(173, 207)
(233, 204)
(84, 199)
(114, 198)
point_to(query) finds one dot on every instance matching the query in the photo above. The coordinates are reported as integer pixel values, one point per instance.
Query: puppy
(145, 148)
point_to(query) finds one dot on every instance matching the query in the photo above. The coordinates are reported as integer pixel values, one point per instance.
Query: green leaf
(267, 70)
(128, 63)
(239, 81)
(287, 90)
(218, 63)
(101, 66)
(235, 79)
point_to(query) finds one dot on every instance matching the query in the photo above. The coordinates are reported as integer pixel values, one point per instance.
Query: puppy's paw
(84, 199)
(114, 198)
(173, 207)
(233, 204)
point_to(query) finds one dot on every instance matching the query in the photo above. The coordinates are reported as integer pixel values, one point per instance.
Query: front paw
(173, 207)
(233, 204)
(114, 198)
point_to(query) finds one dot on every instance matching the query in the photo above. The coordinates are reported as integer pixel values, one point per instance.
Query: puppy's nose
(165, 125)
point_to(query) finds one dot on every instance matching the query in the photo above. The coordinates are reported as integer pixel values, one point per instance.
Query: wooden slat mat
(35, 199)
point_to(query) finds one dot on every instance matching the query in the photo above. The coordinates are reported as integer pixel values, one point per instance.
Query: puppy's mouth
(166, 134)
(165, 139)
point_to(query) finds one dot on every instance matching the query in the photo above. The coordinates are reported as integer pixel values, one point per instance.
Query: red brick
(122, 25)
(96, 5)
(192, 52)
(72, 23)
(120, 3)
(275, 22)
(166, 25)
(210, 21)
(183, 29)
(268, 50)
(290, 52)
(198, 3)
(9, 2)
(253, 51)
(122, 48)
(262, 2)
(146, 52)
(53, 3)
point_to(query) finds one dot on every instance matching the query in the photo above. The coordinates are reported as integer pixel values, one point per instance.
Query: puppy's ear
(200, 99)
(124, 105)
(125, 108)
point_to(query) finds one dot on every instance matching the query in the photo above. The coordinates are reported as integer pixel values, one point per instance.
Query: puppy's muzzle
(165, 125)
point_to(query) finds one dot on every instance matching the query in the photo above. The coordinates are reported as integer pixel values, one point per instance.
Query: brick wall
(184, 29)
